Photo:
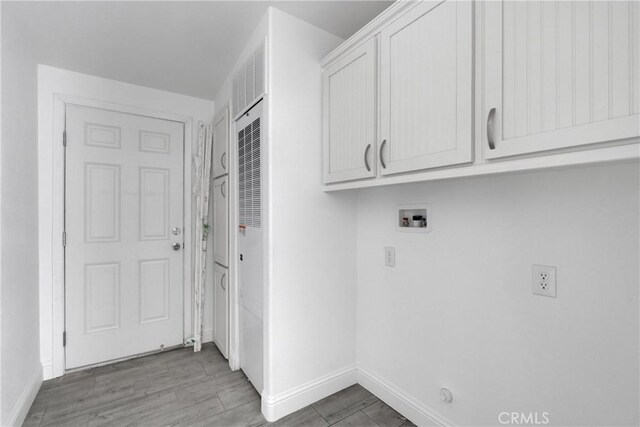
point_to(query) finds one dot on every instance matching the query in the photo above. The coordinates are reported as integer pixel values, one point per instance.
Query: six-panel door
(123, 214)
(426, 80)
(349, 116)
(559, 74)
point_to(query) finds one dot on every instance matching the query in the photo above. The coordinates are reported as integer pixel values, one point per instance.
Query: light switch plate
(389, 256)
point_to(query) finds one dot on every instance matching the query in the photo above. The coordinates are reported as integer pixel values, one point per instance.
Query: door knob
(176, 246)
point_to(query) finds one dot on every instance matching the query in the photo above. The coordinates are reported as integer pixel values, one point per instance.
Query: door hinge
(64, 138)
(64, 339)
(64, 238)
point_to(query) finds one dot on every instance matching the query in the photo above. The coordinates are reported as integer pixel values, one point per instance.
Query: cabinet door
(559, 74)
(221, 314)
(220, 158)
(221, 220)
(349, 122)
(426, 76)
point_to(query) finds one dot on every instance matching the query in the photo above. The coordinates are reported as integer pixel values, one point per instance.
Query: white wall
(457, 310)
(19, 225)
(312, 292)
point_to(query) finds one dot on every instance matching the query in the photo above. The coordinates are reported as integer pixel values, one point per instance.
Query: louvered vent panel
(260, 67)
(249, 81)
(234, 96)
(242, 92)
(249, 76)
(249, 175)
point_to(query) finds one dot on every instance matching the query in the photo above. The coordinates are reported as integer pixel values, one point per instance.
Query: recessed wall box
(413, 218)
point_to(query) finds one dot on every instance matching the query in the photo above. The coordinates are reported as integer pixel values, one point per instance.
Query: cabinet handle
(222, 158)
(384, 165)
(222, 188)
(490, 118)
(366, 158)
(222, 281)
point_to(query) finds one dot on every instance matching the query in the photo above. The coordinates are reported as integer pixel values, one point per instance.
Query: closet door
(426, 96)
(220, 159)
(349, 116)
(559, 74)
(221, 314)
(221, 221)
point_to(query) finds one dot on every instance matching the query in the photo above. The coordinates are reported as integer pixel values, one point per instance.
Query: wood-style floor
(180, 387)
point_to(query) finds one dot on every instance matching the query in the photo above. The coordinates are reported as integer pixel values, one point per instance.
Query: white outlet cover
(543, 281)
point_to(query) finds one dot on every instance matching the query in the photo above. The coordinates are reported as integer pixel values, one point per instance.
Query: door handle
(490, 119)
(366, 158)
(222, 189)
(176, 246)
(384, 165)
(222, 159)
(222, 281)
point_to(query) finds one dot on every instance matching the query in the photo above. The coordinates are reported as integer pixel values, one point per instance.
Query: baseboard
(21, 409)
(274, 408)
(400, 401)
(47, 369)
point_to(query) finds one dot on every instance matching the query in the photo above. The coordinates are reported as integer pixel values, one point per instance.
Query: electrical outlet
(389, 256)
(543, 281)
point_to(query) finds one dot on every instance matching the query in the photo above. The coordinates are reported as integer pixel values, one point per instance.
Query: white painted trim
(401, 401)
(20, 411)
(276, 407)
(55, 88)
(47, 368)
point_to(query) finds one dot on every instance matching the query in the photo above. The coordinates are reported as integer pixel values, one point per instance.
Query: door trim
(56, 88)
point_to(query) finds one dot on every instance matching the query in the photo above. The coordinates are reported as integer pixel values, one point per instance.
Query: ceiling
(181, 46)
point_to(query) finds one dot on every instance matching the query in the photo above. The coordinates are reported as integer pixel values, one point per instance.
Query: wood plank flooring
(180, 388)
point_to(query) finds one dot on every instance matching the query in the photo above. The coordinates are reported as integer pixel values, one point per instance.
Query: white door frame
(56, 88)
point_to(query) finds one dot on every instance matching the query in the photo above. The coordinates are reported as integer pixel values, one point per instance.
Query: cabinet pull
(222, 158)
(366, 158)
(222, 189)
(490, 118)
(222, 281)
(384, 165)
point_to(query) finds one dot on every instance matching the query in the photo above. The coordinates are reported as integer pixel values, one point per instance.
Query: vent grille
(249, 176)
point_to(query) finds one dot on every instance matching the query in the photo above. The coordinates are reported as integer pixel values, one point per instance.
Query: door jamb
(57, 218)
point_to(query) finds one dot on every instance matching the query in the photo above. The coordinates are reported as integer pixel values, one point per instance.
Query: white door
(559, 74)
(220, 158)
(250, 132)
(221, 328)
(426, 80)
(221, 221)
(349, 116)
(123, 212)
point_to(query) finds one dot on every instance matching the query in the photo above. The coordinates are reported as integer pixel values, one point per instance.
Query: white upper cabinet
(559, 74)
(426, 83)
(349, 116)
(220, 160)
